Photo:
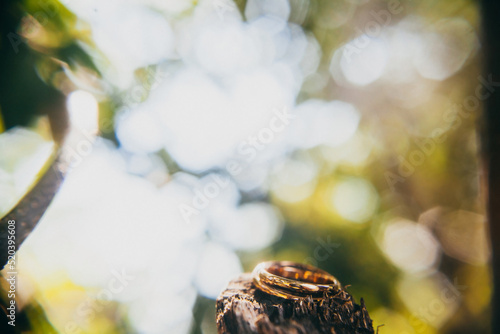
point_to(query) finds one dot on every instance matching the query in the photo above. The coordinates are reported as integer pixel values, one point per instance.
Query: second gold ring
(291, 280)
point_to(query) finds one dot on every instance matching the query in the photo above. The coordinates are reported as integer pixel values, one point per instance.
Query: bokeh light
(355, 199)
(208, 136)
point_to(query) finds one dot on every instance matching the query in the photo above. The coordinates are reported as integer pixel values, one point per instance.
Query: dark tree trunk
(28, 212)
(491, 141)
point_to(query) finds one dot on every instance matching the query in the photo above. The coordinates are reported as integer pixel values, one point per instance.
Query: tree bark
(491, 142)
(28, 212)
(242, 308)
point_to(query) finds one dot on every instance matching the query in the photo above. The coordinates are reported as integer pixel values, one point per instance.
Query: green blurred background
(197, 173)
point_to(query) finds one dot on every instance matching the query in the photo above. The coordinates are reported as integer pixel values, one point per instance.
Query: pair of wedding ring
(291, 280)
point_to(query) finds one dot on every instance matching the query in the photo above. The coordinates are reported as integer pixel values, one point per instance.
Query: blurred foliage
(35, 34)
(43, 44)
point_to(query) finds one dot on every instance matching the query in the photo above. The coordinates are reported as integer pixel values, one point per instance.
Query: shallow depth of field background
(336, 133)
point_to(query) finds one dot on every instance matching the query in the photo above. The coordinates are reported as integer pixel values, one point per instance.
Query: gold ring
(291, 280)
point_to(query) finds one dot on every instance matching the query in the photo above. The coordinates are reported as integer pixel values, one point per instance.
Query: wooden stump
(242, 308)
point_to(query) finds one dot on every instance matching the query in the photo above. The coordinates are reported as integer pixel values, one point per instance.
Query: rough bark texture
(28, 212)
(242, 308)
